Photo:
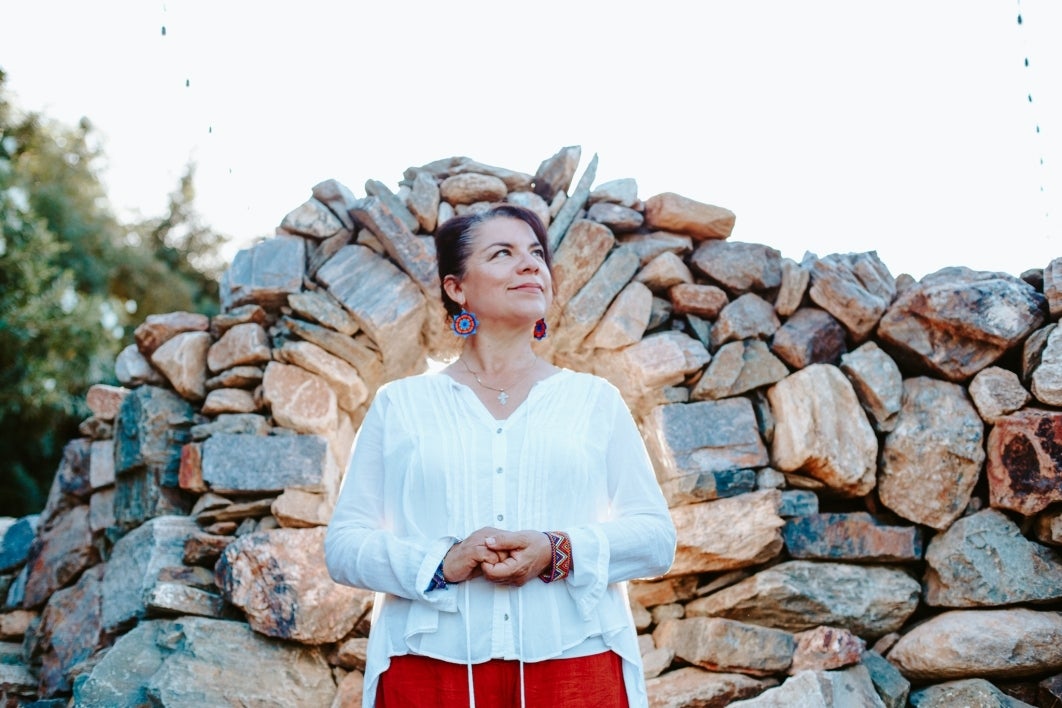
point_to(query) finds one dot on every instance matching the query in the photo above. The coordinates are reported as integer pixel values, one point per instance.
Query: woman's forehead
(503, 230)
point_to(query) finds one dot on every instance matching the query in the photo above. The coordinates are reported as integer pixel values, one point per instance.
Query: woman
(497, 506)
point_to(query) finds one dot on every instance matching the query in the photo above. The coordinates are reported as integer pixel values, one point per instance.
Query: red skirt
(594, 681)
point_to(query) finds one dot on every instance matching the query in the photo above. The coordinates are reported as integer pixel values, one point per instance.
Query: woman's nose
(529, 262)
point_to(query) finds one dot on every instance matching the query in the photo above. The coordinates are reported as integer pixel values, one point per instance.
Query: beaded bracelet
(560, 566)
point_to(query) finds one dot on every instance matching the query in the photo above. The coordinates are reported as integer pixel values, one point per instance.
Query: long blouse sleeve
(638, 539)
(361, 546)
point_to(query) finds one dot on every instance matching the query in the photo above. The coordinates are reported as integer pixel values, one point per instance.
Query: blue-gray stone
(265, 463)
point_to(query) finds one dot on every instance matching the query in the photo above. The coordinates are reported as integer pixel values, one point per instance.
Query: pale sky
(832, 127)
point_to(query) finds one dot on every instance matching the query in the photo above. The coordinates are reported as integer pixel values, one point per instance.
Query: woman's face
(506, 278)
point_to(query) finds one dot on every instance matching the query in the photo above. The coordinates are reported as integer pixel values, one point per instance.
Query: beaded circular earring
(464, 324)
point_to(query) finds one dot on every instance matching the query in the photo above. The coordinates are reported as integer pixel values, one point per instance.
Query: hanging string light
(1030, 73)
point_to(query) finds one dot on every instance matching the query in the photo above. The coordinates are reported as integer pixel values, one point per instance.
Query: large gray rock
(70, 631)
(278, 579)
(957, 321)
(152, 425)
(707, 436)
(16, 538)
(983, 560)
(136, 561)
(383, 301)
(265, 274)
(968, 692)
(799, 595)
(195, 661)
(234, 463)
(59, 554)
(849, 688)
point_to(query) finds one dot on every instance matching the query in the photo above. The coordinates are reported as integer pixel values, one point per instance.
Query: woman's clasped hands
(504, 557)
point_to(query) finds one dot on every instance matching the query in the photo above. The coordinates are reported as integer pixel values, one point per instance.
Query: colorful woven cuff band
(560, 566)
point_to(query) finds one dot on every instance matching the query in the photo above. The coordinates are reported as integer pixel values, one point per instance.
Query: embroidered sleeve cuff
(561, 563)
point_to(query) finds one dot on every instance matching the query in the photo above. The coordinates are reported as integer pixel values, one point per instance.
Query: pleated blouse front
(431, 465)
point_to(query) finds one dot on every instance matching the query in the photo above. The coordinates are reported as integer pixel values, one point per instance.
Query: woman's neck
(499, 354)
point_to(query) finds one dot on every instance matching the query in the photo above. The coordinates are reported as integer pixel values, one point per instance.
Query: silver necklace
(503, 397)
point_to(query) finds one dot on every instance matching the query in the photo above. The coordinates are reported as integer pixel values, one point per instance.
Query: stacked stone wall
(864, 469)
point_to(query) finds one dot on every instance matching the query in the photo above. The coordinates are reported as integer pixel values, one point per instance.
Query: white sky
(843, 126)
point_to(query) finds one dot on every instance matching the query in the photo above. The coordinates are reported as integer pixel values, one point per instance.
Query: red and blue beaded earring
(464, 324)
(540, 329)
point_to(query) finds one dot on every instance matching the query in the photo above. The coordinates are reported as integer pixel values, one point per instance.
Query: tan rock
(580, 254)
(530, 200)
(279, 580)
(299, 400)
(348, 692)
(649, 246)
(727, 645)
(296, 508)
(471, 187)
(856, 288)
(1004, 644)
(312, 219)
(826, 648)
(228, 400)
(820, 429)
(101, 464)
(348, 386)
(664, 271)
(183, 361)
(736, 368)
(747, 317)
(105, 400)
(1047, 377)
(705, 301)
(625, 320)
(555, 174)
(244, 344)
(869, 601)
(997, 392)
(725, 534)
(672, 212)
(793, 287)
(658, 360)
(155, 330)
(692, 686)
(932, 459)
(1053, 287)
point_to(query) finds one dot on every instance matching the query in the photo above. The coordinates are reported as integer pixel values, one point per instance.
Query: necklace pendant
(503, 397)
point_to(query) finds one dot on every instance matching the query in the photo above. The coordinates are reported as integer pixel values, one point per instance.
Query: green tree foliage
(74, 283)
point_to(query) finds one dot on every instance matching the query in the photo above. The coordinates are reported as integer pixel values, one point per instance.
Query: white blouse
(431, 465)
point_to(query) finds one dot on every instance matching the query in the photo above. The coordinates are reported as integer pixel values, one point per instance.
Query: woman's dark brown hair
(453, 242)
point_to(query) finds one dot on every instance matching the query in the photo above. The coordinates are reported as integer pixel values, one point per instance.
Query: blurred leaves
(74, 283)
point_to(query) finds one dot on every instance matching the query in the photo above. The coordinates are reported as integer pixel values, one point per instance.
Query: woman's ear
(453, 289)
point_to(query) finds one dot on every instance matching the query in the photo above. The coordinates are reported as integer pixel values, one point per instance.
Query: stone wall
(864, 470)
